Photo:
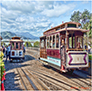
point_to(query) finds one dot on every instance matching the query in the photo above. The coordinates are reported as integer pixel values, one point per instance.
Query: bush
(28, 44)
(37, 44)
(2, 69)
(90, 56)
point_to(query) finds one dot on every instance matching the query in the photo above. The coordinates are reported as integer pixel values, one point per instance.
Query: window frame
(16, 45)
(42, 42)
(48, 37)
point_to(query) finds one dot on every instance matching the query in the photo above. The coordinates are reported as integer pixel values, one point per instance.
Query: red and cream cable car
(17, 48)
(62, 47)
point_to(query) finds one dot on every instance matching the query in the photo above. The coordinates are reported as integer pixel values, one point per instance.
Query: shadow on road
(10, 82)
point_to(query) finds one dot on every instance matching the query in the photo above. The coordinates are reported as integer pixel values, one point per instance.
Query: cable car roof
(16, 40)
(73, 29)
(16, 37)
(63, 24)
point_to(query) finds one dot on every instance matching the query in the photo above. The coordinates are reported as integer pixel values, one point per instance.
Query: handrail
(76, 49)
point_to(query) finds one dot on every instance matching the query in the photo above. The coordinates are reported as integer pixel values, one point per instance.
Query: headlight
(20, 53)
(13, 53)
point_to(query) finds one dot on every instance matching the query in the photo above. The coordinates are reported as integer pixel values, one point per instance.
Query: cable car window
(50, 41)
(57, 41)
(16, 45)
(54, 41)
(70, 42)
(73, 42)
(47, 42)
(12, 45)
(71, 25)
(42, 43)
(20, 45)
(79, 42)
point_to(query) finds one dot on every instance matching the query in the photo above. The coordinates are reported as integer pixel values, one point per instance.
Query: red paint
(53, 53)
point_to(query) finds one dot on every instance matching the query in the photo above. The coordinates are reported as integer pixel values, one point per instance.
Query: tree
(28, 44)
(37, 44)
(76, 16)
(82, 17)
(88, 26)
(85, 16)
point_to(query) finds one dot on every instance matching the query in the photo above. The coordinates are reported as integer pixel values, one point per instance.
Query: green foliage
(82, 17)
(85, 16)
(3, 43)
(90, 56)
(1, 64)
(85, 19)
(88, 26)
(1, 55)
(37, 44)
(28, 43)
(76, 16)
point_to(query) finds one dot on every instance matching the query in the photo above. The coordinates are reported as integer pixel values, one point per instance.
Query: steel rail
(31, 82)
(22, 80)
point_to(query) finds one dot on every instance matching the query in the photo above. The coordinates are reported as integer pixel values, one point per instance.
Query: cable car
(62, 47)
(17, 48)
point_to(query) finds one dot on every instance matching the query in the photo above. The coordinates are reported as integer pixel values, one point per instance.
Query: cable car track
(29, 82)
(24, 81)
(65, 80)
(52, 81)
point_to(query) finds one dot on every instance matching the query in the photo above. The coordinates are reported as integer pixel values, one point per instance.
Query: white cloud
(32, 16)
(23, 7)
(29, 16)
(57, 10)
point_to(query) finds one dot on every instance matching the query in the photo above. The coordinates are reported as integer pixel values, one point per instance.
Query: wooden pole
(67, 40)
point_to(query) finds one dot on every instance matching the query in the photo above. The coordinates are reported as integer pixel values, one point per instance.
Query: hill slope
(23, 35)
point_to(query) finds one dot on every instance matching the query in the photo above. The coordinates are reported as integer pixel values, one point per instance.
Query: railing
(33, 48)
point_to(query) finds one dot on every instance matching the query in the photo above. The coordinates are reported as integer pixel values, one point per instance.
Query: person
(78, 45)
(7, 53)
(62, 55)
(9, 50)
(27, 45)
(62, 45)
(24, 49)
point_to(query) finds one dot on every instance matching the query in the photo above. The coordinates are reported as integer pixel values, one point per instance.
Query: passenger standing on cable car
(63, 54)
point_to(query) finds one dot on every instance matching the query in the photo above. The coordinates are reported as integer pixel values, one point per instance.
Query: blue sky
(36, 16)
